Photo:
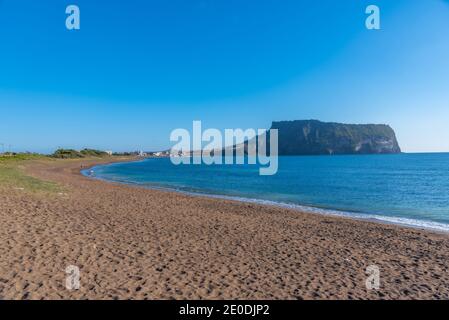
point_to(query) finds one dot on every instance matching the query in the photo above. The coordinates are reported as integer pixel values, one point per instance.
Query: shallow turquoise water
(404, 188)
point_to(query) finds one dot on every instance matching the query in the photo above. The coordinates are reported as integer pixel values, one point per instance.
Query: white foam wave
(414, 223)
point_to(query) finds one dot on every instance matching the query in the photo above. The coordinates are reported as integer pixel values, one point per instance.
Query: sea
(406, 189)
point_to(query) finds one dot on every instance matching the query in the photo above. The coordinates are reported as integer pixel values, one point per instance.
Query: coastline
(131, 242)
(425, 225)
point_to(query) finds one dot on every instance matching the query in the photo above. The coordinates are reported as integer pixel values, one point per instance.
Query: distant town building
(109, 152)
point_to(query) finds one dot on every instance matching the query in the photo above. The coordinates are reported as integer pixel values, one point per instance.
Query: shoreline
(425, 225)
(136, 243)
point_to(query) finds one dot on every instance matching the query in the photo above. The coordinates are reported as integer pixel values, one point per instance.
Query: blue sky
(138, 69)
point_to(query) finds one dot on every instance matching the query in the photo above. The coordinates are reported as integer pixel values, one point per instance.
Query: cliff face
(312, 137)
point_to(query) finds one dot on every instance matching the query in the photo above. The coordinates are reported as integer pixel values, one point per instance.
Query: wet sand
(133, 243)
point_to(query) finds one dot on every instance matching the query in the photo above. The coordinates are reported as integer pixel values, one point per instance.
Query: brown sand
(144, 244)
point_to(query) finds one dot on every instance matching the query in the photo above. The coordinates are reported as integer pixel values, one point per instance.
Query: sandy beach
(134, 243)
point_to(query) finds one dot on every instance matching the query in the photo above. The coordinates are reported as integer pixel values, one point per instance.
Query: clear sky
(139, 69)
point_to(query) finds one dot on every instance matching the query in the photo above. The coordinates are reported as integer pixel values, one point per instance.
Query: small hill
(74, 154)
(93, 153)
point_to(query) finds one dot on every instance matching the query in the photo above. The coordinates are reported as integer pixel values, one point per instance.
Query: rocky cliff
(309, 137)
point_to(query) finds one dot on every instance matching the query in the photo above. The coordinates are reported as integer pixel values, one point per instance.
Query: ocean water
(410, 189)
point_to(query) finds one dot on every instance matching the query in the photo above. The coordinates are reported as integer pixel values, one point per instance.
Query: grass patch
(13, 176)
(12, 158)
